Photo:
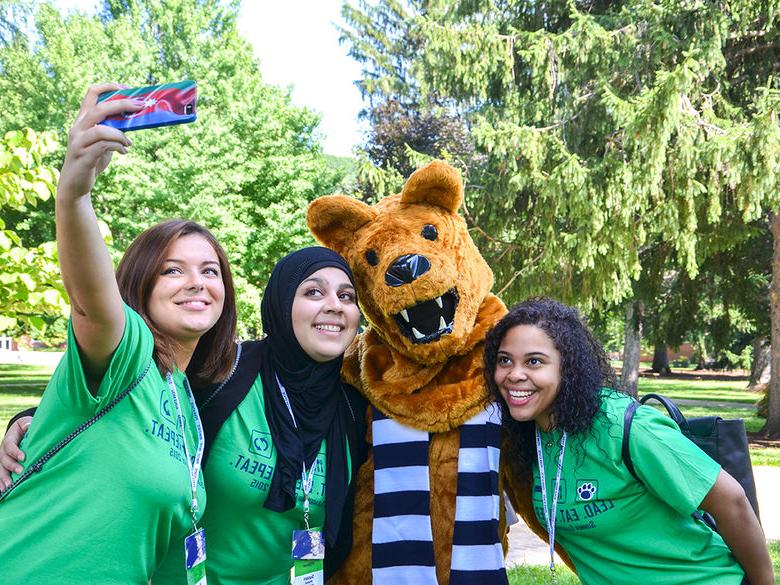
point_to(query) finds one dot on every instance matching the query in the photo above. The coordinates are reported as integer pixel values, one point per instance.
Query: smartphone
(164, 105)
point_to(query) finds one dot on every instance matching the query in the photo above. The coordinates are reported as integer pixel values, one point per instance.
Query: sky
(296, 42)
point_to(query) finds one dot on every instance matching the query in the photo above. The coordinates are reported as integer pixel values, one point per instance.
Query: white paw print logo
(586, 491)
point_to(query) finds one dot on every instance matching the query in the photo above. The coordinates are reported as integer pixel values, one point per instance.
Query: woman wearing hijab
(283, 414)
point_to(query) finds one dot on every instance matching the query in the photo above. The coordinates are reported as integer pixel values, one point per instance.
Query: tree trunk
(632, 347)
(761, 367)
(700, 352)
(772, 427)
(661, 359)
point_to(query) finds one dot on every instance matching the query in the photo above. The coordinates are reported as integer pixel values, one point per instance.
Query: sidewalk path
(526, 548)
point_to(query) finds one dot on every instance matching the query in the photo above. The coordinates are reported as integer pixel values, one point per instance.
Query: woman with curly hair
(563, 414)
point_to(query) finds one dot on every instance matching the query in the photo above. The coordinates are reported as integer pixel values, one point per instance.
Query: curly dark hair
(585, 369)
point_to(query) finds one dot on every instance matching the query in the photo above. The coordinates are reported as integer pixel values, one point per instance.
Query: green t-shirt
(108, 507)
(617, 530)
(245, 542)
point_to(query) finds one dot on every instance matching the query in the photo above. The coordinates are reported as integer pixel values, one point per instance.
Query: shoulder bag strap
(627, 419)
(38, 465)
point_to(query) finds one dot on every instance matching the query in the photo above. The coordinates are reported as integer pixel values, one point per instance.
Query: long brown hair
(136, 276)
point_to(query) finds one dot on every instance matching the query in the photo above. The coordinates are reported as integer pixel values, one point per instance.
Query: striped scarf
(402, 542)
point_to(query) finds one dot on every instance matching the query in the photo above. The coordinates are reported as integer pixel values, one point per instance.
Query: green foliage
(31, 292)
(615, 135)
(246, 168)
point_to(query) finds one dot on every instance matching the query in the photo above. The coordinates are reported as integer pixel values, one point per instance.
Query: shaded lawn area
(540, 574)
(20, 388)
(690, 389)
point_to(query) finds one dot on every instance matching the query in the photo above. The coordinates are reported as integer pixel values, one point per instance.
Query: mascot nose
(406, 269)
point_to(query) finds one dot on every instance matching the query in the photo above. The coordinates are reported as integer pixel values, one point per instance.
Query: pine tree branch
(687, 106)
(739, 54)
(519, 273)
(743, 78)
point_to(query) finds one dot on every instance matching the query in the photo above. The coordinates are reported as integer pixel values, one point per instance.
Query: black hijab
(314, 389)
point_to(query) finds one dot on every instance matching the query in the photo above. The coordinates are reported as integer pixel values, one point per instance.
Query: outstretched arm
(739, 527)
(87, 272)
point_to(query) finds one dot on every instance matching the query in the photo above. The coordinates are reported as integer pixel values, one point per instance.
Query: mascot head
(421, 278)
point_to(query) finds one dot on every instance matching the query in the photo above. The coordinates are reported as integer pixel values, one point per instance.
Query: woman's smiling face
(528, 374)
(325, 314)
(189, 294)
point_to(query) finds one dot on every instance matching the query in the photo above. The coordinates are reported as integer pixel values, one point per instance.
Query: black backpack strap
(671, 408)
(627, 419)
(681, 421)
(38, 465)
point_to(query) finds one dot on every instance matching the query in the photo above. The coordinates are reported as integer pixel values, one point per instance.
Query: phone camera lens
(188, 109)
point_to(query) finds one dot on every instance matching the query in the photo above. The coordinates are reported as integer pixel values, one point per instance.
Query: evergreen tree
(609, 130)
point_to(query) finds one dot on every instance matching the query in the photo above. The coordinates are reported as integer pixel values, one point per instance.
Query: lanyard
(306, 481)
(192, 464)
(549, 516)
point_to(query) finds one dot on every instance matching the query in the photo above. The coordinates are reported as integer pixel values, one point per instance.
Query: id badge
(195, 557)
(308, 552)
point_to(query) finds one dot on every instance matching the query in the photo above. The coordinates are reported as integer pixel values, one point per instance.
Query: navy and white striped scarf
(402, 542)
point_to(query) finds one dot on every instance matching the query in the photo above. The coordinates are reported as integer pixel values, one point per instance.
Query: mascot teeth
(429, 320)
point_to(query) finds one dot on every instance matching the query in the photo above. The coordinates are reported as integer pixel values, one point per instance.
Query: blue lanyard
(306, 482)
(549, 515)
(193, 465)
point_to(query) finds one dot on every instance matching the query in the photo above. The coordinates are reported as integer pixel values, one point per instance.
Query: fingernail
(18, 469)
(21, 456)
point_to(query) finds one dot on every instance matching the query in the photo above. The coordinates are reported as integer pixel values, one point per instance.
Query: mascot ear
(334, 219)
(436, 183)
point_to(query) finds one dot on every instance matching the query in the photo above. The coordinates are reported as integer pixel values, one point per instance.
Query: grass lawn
(714, 390)
(20, 388)
(540, 574)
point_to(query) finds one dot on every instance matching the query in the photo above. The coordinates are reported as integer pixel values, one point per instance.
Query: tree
(246, 168)
(30, 285)
(609, 129)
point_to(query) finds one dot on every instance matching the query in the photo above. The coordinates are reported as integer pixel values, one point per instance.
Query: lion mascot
(428, 506)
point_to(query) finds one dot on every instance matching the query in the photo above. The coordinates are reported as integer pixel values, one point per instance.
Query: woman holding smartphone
(109, 506)
(283, 436)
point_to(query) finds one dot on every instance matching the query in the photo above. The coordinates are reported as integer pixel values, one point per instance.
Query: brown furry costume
(426, 378)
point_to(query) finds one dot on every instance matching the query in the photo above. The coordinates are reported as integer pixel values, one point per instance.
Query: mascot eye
(429, 232)
(372, 258)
